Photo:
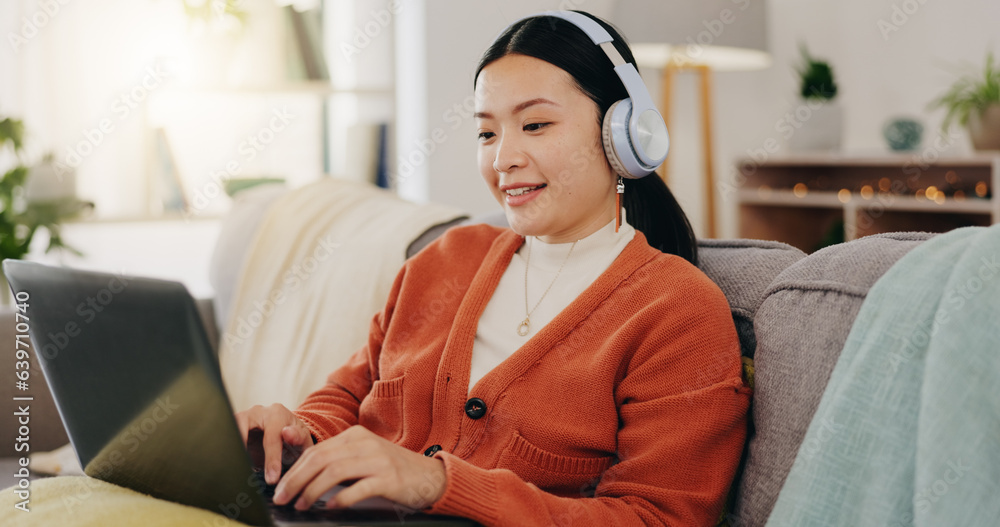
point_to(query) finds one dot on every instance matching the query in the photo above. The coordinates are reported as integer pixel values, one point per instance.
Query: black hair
(649, 205)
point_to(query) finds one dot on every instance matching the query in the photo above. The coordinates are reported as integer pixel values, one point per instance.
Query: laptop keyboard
(319, 513)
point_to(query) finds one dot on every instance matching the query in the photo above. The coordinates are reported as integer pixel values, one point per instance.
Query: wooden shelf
(874, 159)
(827, 199)
(830, 198)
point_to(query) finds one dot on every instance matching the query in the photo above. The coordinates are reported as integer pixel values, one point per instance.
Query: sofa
(792, 312)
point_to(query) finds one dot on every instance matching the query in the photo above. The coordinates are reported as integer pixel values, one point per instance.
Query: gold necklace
(525, 325)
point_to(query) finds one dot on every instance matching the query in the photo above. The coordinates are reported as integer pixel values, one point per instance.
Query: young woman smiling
(576, 367)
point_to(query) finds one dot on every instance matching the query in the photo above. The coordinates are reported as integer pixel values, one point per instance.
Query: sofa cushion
(801, 326)
(743, 270)
(235, 236)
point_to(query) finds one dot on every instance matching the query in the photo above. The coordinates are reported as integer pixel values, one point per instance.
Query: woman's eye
(483, 136)
(534, 127)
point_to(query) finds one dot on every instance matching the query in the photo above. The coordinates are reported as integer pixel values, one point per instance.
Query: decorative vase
(903, 134)
(821, 125)
(984, 128)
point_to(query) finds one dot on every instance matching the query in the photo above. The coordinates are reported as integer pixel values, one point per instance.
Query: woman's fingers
(302, 472)
(328, 478)
(279, 426)
(363, 489)
(278, 417)
(322, 467)
(378, 467)
(297, 435)
(249, 419)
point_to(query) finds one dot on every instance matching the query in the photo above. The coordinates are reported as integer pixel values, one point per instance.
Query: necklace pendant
(523, 328)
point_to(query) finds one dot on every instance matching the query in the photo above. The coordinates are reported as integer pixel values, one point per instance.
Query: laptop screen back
(138, 386)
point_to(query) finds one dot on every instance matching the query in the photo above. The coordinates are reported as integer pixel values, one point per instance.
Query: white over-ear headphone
(635, 137)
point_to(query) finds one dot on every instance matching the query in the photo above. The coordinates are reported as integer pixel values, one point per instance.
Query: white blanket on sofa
(320, 266)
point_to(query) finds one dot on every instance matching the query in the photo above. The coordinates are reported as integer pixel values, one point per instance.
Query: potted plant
(820, 115)
(20, 216)
(974, 102)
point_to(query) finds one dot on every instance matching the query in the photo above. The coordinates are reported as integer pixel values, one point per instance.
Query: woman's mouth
(522, 195)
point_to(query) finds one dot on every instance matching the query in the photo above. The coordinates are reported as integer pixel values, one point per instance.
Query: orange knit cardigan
(628, 408)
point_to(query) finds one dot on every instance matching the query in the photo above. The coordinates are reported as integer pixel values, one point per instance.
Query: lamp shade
(726, 35)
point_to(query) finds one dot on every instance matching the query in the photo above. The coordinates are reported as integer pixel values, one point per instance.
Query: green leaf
(816, 77)
(970, 94)
(12, 131)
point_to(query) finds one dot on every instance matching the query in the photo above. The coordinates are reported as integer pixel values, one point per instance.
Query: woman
(566, 369)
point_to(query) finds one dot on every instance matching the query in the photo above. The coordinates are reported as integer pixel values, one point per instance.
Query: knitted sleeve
(682, 409)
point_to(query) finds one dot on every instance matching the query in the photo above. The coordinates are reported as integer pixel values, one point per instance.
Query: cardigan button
(431, 450)
(475, 408)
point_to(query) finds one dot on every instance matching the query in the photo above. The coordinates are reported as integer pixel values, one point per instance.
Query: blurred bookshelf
(813, 200)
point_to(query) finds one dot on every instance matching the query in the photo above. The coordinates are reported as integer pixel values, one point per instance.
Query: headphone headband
(644, 122)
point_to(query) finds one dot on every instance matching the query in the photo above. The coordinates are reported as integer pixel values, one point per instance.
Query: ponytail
(651, 208)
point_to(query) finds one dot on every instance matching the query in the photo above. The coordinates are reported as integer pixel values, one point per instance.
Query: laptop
(139, 390)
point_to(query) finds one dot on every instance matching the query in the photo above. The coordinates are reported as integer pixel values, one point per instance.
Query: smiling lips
(521, 193)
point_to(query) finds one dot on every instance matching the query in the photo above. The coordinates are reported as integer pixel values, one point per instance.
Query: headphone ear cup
(607, 136)
(618, 142)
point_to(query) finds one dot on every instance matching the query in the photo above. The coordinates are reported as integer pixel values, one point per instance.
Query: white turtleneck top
(496, 334)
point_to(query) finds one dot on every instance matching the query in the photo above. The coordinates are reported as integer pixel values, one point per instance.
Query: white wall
(878, 79)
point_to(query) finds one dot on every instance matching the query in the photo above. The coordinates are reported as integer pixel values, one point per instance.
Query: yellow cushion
(82, 501)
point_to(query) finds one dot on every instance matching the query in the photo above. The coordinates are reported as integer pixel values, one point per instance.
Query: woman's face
(540, 150)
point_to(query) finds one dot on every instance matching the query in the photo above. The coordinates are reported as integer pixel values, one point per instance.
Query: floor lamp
(678, 37)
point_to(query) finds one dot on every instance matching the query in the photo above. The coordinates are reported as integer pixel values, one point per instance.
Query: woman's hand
(380, 468)
(280, 427)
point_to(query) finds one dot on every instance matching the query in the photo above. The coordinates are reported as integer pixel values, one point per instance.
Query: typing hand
(376, 466)
(284, 435)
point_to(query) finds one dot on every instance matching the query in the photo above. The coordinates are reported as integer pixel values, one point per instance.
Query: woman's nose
(509, 155)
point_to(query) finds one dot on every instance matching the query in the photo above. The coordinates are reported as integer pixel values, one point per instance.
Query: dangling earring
(618, 203)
